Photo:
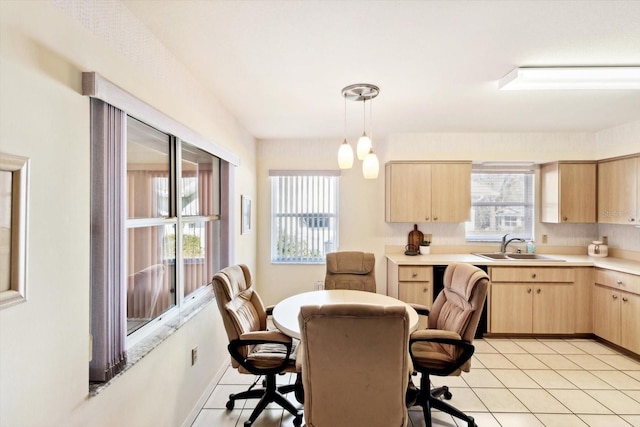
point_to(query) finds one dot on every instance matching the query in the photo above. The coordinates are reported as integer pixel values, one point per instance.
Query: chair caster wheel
(297, 421)
(230, 404)
(472, 423)
(447, 395)
(248, 423)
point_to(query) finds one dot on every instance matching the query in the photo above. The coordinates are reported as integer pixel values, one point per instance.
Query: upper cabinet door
(618, 191)
(427, 192)
(568, 192)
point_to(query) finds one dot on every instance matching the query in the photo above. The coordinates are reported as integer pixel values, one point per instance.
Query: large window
(501, 202)
(304, 216)
(172, 221)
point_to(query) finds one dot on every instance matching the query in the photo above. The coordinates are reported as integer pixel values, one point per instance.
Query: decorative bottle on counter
(597, 249)
(531, 247)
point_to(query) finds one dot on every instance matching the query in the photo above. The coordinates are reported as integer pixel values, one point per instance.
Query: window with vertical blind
(502, 201)
(304, 216)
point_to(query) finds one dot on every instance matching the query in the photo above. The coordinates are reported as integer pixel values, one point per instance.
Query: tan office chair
(445, 348)
(351, 270)
(254, 349)
(355, 365)
(356, 271)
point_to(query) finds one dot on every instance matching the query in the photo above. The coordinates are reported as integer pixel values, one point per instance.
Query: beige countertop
(618, 264)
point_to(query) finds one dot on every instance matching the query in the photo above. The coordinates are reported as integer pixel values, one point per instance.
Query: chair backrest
(459, 305)
(351, 270)
(355, 365)
(240, 306)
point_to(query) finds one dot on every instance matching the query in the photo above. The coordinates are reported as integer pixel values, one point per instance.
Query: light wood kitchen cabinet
(583, 299)
(538, 300)
(616, 308)
(568, 192)
(412, 284)
(427, 191)
(619, 190)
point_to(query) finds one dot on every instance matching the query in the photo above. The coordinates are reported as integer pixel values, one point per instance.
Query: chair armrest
(260, 337)
(422, 310)
(269, 309)
(443, 337)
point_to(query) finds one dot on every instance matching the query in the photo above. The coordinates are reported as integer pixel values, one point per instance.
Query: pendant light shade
(370, 166)
(364, 146)
(360, 92)
(345, 155)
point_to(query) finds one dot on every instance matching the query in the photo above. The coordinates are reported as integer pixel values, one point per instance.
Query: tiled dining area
(512, 383)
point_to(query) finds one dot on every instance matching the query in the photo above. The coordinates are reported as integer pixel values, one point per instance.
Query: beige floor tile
(481, 419)
(619, 362)
(217, 417)
(616, 401)
(549, 379)
(451, 381)
(526, 361)
(497, 361)
(592, 347)
(438, 419)
(604, 421)
(539, 401)
(618, 380)
(267, 418)
(220, 395)
(535, 347)
(519, 420)
(634, 394)
(579, 402)
(588, 362)
(562, 347)
(481, 378)
(561, 420)
(483, 346)
(514, 378)
(634, 374)
(507, 346)
(634, 420)
(500, 400)
(556, 361)
(585, 380)
(466, 400)
(232, 376)
(476, 363)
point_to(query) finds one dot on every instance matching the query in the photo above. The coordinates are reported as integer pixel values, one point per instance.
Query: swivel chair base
(432, 398)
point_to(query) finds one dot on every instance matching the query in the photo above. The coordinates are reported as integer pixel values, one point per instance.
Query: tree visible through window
(501, 203)
(304, 213)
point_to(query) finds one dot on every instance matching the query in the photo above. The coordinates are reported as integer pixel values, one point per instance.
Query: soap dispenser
(531, 247)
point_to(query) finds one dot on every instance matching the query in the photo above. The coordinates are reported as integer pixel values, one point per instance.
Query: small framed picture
(245, 219)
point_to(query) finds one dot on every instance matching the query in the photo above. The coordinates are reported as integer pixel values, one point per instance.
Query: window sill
(144, 347)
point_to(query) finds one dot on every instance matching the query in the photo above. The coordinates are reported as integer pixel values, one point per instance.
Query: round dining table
(285, 313)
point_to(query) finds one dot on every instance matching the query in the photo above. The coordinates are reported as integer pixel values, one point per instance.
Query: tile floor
(512, 383)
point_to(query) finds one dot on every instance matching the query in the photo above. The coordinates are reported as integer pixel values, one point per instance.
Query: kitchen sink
(516, 257)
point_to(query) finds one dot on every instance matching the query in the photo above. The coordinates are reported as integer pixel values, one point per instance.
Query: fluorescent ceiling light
(550, 78)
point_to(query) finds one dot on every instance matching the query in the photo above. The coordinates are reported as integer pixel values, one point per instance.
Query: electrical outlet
(318, 285)
(544, 238)
(605, 240)
(194, 355)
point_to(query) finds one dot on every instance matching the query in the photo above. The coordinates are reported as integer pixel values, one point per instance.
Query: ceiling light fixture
(370, 166)
(558, 78)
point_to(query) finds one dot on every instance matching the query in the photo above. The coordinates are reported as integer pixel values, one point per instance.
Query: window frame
(332, 197)
(529, 203)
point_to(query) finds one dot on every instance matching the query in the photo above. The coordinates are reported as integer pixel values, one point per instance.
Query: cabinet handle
(625, 299)
(529, 290)
(426, 218)
(425, 289)
(614, 296)
(538, 291)
(533, 276)
(632, 219)
(414, 275)
(564, 218)
(619, 282)
(435, 218)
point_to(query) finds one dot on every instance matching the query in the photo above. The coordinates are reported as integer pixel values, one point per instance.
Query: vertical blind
(304, 207)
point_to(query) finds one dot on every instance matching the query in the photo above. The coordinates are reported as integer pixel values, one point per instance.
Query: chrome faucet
(505, 242)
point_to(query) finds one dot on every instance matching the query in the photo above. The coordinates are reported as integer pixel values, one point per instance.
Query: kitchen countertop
(617, 264)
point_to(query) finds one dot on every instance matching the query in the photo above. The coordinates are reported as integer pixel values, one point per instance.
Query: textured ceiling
(279, 66)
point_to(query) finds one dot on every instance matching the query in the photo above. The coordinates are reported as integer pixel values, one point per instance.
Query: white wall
(362, 225)
(44, 343)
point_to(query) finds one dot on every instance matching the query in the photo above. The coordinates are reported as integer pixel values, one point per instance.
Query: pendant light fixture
(370, 167)
(345, 153)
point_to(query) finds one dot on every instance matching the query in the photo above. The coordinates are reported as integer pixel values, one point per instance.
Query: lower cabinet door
(416, 292)
(630, 322)
(606, 314)
(511, 308)
(553, 309)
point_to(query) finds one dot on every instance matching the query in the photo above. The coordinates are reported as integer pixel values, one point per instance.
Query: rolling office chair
(355, 365)
(445, 348)
(254, 349)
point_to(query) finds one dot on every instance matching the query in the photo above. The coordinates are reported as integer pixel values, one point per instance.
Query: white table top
(285, 313)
